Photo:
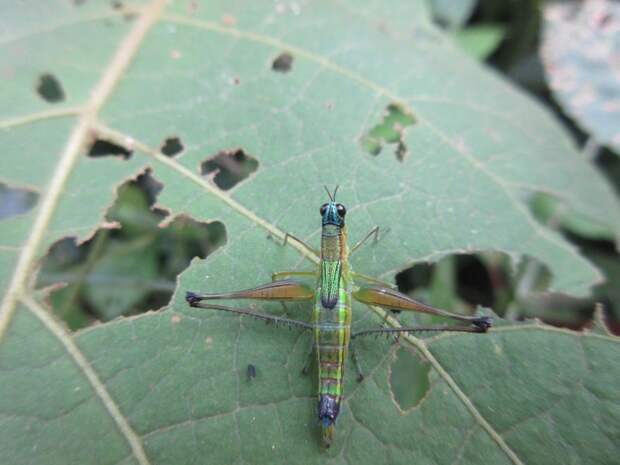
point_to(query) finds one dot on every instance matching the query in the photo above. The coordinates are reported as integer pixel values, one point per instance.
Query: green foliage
(128, 268)
(170, 386)
(389, 132)
(452, 13)
(579, 44)
(480, 41)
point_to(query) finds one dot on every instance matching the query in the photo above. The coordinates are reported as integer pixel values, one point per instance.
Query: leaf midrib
(17, 289)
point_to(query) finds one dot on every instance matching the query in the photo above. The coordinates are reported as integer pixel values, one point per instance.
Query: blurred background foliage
(130, 265)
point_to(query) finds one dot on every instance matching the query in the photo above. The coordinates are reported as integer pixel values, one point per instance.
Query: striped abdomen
(331, 339)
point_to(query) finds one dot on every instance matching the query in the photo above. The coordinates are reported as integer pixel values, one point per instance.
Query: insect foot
(483, 323)
(191, 297)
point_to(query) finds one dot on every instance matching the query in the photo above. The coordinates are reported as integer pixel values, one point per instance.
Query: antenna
(329, 193)
(332, 197)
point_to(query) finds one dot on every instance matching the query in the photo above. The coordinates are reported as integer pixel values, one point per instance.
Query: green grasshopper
(333, 295)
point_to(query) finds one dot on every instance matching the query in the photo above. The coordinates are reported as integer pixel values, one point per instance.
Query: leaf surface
(171, 387)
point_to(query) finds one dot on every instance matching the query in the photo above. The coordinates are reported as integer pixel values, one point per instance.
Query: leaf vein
(100, 390)
(121, 139)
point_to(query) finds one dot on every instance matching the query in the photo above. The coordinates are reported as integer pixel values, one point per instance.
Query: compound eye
(341, 210)
(323, 208)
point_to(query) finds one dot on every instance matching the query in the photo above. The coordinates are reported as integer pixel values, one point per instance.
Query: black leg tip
(483, 323)
(191, 297)
(360, 378)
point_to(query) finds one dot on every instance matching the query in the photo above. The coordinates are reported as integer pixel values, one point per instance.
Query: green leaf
(608, 291)
(171, 387)
(443, 284)
(480, 41)
(578, 50)
(121, 277)
(452, 13)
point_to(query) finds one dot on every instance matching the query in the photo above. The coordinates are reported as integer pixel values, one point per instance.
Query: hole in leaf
(389, 132)
(475, 283)
(104, 148)
(127, 269)
(172, 146)
(516, 291)
(16, 200)
(462, 282)
(604, 255)
(455, 277)
(228, 168)
(595, 241)
(409, 379)
(283, 63)
(50, 89)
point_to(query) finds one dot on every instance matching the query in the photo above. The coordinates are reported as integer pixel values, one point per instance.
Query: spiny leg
(306, 246)
(420, 329)
(384, 321)
(356, 361)
(277, 320)
(392, 299)
(370, 279)
(385, 324)
(373, 232)
(285, 308)
(306, 369)
(288, 236)
(398, 332)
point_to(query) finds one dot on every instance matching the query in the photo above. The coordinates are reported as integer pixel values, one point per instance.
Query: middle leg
(373, 232)
(279, 274)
